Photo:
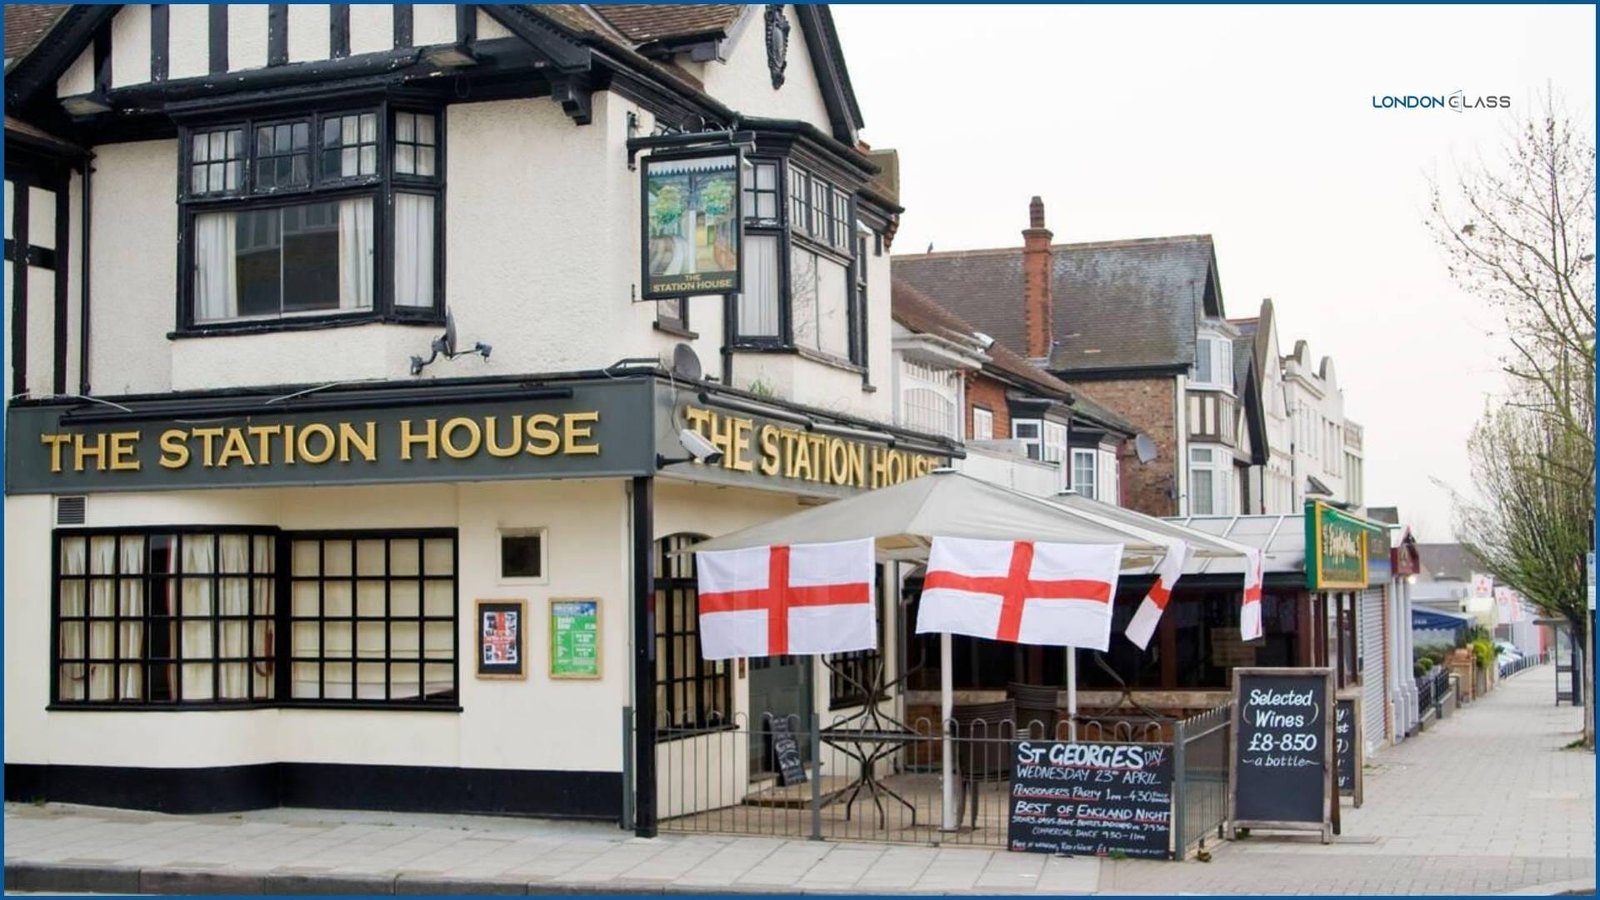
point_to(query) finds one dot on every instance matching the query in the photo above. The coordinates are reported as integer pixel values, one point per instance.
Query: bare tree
(1531, 530)
(1520, 233)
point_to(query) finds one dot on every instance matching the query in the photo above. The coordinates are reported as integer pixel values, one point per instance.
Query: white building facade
(249, 480)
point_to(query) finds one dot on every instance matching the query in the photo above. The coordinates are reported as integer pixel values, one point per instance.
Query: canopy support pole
(1072, 693)
(946, 713)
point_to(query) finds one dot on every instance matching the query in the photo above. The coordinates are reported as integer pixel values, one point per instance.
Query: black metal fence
(1433, 687)
(1200, 777)
(1511, 667)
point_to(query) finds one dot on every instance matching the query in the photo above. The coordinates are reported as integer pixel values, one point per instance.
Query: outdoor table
(869, 737)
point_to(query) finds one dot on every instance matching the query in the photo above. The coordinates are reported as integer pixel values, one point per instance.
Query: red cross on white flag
(1250, 606)
(1143, 624)
(769, 601)
(1021, 591)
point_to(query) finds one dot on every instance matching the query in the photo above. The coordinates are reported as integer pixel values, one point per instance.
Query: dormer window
(321, 217)
(1213, 363)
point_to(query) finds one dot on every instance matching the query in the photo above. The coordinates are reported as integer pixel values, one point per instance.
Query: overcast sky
(1254, 125)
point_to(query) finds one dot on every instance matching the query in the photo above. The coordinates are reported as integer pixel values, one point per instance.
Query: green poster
(574, 638)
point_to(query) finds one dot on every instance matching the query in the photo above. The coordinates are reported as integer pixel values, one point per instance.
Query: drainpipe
(86, 218)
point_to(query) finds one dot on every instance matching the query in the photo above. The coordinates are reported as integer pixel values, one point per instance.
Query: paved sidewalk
(1485, 802)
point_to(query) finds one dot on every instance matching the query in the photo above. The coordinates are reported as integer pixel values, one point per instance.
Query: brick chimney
(1038, 308)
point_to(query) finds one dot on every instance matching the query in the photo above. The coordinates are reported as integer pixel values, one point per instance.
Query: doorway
(779, 689)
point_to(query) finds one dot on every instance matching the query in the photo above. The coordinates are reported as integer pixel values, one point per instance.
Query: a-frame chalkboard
(1281, 768)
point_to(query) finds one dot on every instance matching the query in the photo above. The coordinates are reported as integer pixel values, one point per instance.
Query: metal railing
(1200, 777)
(1433, 687)
(1512, 667)
(879, 784)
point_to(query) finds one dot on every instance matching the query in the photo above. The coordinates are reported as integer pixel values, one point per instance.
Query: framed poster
(574, 637)
(692, 230)
(500, 643)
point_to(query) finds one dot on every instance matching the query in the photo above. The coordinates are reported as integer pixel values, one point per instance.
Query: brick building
(1140, 321)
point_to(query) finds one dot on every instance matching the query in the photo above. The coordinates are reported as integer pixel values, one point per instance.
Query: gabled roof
(913, 309)
(643, 23)
(1118, 304)
(26, 24)
(641, 28)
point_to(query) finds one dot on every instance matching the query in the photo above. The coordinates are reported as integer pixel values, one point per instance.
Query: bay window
(323, 216)
(804, 265)
(930, 398)
(1213, 362)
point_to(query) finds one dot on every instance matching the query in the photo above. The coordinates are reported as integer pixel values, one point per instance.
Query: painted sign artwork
(692, 226)
(1336, 549)
(1091, 799)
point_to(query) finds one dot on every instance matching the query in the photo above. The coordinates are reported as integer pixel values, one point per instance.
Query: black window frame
(815, 215)
(279, 624)
(676, 583)
(382, 187)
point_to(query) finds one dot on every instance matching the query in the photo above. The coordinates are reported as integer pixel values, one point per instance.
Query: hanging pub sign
(1336, 549)
(692, 234)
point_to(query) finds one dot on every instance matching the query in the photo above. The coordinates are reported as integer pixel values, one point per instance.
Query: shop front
(434, 598)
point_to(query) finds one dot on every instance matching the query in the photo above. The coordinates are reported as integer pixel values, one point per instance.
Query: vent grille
(72, 510)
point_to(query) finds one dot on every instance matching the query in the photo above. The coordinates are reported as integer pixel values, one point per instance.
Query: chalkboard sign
(1091, 799)
(1347, 746)
(787, 750)
(1283, 743)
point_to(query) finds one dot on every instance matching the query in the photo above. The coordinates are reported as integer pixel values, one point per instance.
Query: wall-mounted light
(449, 56)
(86, 104)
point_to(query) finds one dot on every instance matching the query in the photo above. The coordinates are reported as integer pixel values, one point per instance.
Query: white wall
(130, 46)
(133, 256)
(506, 724)
(744, 82)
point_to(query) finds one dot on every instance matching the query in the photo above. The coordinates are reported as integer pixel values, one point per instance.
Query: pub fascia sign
(594, 432)
(779, 451)
(1336, 549)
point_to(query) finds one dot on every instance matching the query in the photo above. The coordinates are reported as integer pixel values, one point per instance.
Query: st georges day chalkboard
(1347, 739)
(1091, 799)
(1283, 749)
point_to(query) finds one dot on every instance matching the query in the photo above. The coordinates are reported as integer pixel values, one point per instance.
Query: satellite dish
(449, 333)
(685, 364)
(1145, 448)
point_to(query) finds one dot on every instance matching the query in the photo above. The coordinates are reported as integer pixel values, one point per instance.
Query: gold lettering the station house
(459, 437)
(793, 453)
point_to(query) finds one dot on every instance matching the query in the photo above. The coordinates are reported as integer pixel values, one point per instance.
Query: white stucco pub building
(273, 537)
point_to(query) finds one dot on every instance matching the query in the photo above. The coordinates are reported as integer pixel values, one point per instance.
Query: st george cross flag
(1250, 608)
(1025, 592)
(805, 598)
(1143, 624)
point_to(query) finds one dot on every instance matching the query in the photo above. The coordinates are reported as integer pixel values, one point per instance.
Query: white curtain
(758, 303)
(216, 274)
(355, 254)
(102, 606)
(413, 250)
(833, 308)
(74, 561)
(264, 598)
(199, 562)
(234, 600)
(131, 607)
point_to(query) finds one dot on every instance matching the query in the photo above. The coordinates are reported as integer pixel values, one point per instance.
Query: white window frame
(1086, 486)
(982, 424)
(1034, 443)
(1216, 351)
(543, 534)
(1216, 462)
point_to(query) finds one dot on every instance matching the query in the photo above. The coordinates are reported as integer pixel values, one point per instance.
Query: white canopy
(1202, 545)
(904, 518)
